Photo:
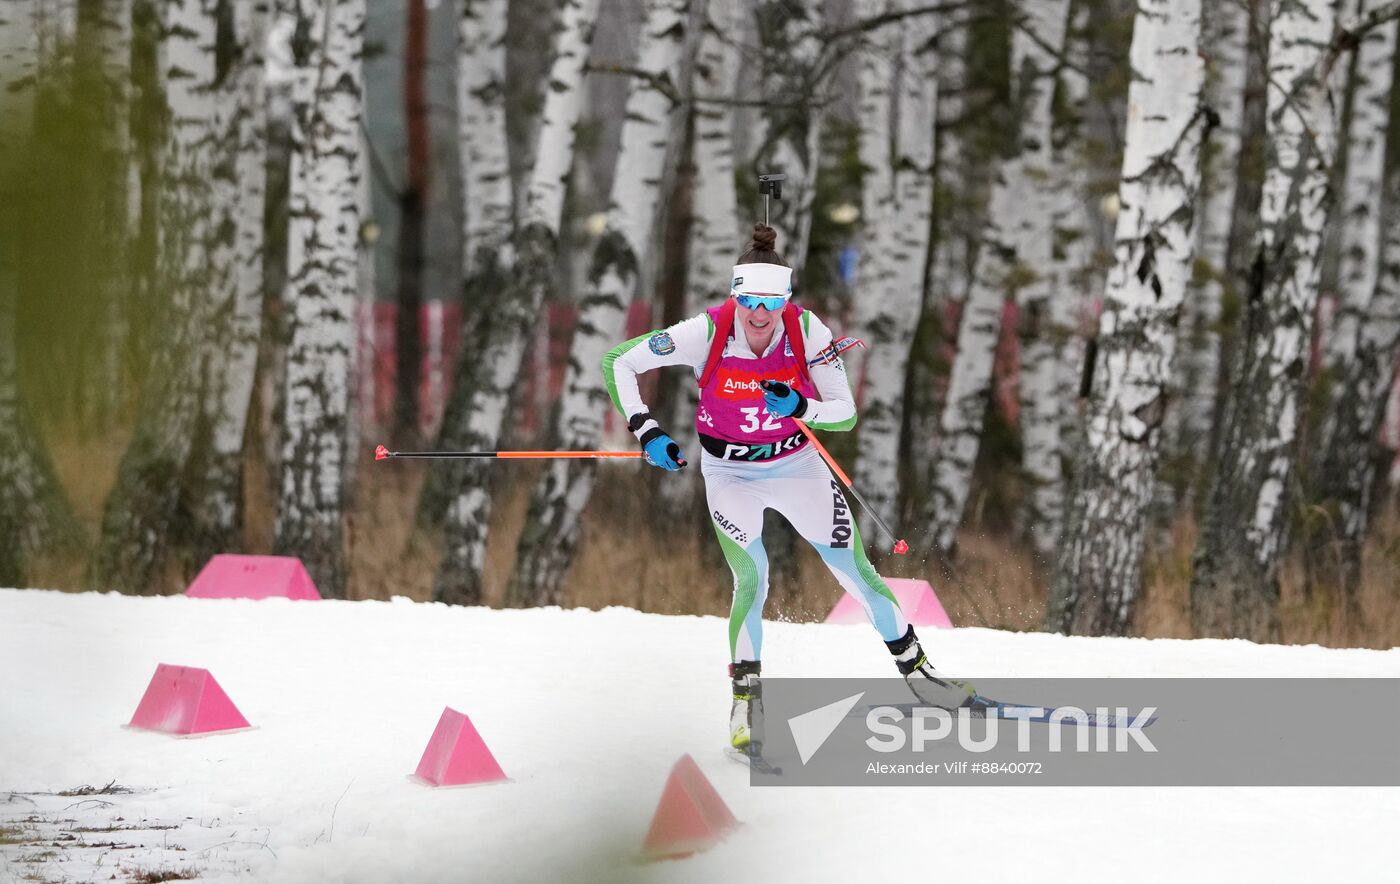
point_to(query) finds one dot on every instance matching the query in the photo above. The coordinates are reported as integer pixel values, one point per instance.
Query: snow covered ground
(586, 711)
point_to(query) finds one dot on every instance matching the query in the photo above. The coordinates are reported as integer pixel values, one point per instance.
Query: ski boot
(746, 715)
(932, 688)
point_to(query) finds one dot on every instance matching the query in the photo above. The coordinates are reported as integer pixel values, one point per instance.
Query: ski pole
(383, 453)
(900, 547)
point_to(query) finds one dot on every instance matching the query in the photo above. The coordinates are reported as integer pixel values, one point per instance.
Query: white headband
(762, 279)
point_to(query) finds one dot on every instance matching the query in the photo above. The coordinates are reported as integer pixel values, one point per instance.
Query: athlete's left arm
(837, 409)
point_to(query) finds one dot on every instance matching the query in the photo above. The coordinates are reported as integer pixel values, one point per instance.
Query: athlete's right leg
(736, 511)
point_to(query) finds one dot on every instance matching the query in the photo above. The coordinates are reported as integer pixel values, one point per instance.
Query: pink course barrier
(183, 700)
(916, 598)
(690, 817)
(253, 577)
(457, 755)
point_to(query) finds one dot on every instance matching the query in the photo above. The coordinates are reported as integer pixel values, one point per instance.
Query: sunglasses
(753, 302)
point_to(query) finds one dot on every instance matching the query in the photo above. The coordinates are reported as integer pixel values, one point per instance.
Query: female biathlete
(759, 361)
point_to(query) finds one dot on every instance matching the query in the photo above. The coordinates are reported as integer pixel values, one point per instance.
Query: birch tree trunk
(1344, 467)
(1014, 233)
(487, 223)
(1051, 403)
(481, 418)
(788, 30)
(550, 535)
(239, 184)
(322, 280)
(34, 514)
(1048, 305)
(947, 271)
(1234, 586)
(145, 510)
(889, 311)
(481, 92)
(281, 74)
(56, 25)
(876, 62)
(1362, 153)
(1360, 203)
(715, 238)
(1225, 31)
(1099, 571)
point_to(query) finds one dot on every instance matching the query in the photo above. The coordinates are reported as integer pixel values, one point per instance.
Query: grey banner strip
(1106, 732)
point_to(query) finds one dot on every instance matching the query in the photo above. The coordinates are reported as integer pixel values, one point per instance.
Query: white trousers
(802, 489)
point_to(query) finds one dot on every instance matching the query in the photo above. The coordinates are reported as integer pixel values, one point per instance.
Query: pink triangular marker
(457, 755)
(916, 598)
(229, 576)
(184, 700)
(690, 817)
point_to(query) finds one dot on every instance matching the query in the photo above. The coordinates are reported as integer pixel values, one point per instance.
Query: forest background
(1133, 339)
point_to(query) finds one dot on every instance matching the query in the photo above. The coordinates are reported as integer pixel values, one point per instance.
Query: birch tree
(481, 417)
(322, 284)
(1234, 586)
(1224, 36)
(143, 513)
(231, 343)
(792, 50)
(280, 77)
(487, 225)
(1360, 198)
(34, 514)
(1099, 570)
(947, 267)
(1344, 466)
(714, 234)
(481, 115)
(1013, 232)
(1051, 302)
(899, 213)
(550, 535)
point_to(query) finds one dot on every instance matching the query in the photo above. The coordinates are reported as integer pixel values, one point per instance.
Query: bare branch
(1351, 33)
(877, 21)
(667, 88)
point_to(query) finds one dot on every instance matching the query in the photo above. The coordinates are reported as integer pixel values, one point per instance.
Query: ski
(754, 761)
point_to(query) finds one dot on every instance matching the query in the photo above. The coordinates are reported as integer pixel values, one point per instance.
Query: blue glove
(662, 451)
(782, 400)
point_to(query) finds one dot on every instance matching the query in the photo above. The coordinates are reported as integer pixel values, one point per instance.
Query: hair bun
(765, 238)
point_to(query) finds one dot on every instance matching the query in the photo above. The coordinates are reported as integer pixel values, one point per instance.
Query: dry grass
(635, 553)
(1318, 618)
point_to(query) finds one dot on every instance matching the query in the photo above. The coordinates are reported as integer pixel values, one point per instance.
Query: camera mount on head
(770, 185)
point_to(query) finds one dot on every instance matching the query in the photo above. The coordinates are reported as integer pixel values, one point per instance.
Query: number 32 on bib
(752, 425)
